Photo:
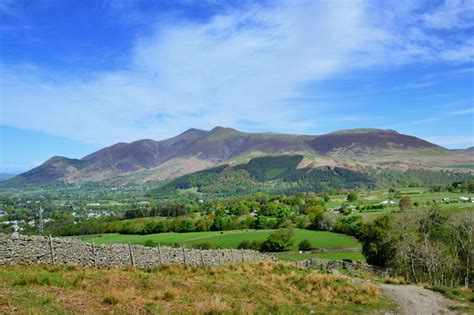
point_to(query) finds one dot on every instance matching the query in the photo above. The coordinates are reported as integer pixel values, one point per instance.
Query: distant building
(3, 213)
(388, 202)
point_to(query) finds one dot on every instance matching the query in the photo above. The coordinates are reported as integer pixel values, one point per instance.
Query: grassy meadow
(242, 289)
(228, 239)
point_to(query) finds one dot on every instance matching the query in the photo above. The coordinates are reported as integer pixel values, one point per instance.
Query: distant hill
(5, 176)
(194, 150)
(464, 151)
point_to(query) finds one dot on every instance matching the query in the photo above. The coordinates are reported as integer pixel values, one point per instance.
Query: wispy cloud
(424, 121)
(451, 14)
(463, 112)
(237, 68)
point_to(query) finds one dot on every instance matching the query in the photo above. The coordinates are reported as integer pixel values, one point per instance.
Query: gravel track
(412, 299)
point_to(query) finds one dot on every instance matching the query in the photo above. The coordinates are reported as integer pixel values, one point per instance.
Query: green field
(227, 239)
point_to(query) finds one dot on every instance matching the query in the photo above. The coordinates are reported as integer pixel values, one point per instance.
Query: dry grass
(392, 280)
(245, 289)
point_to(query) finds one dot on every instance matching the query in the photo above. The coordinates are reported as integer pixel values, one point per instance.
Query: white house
(3, 213)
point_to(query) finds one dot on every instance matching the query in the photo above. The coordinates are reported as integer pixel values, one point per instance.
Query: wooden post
(131, 254)
(53, 261)
(232, 260)
(94, 253)
(184, 256)
(242, 252)
(202, 258)
(159, 255)
(219, 256)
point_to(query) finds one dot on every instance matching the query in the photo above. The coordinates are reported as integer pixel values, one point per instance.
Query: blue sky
(80, 75)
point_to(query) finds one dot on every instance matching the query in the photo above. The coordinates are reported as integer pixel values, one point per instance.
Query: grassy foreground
(250, 288)
(228, 239)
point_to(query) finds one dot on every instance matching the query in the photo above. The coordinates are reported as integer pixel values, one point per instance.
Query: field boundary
(21, 249)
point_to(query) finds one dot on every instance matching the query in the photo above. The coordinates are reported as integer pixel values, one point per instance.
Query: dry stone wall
(343, 264)
(23, 249)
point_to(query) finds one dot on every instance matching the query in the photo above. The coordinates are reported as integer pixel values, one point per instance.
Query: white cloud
(451, 14)
(237, 69)
(424, 121)
(463, 112)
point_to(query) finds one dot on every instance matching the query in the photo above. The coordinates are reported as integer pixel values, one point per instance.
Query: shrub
(352, 196)
(304, 245)
(256, 245)
(244, 245)
(278, 241)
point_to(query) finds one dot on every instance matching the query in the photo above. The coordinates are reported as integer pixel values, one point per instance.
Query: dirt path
(412, 299)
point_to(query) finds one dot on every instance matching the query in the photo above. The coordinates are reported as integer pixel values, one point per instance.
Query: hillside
(177, 290)
(363, 140)
(467, 151)
(285, 174)
(194, 150)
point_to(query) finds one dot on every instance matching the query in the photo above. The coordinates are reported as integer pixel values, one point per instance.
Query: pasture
(228, 239)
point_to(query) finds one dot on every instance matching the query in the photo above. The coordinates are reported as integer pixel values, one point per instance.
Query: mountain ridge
(194, 150)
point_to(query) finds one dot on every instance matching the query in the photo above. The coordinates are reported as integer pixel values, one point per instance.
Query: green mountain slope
(282, 174)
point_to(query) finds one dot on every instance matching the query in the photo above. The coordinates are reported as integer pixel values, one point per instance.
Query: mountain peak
(223, 131)
(191, 133)
(220, 129)
(193, 130)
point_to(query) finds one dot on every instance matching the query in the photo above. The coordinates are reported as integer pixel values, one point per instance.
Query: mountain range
(196, 150)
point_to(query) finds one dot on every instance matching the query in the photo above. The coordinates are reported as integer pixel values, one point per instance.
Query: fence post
(231, 256)
(51, 249)
(242, 252)
(159, 255)
(131, 254)
(202, 258)
(184, 256)
(94, 253)
(219, 256)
